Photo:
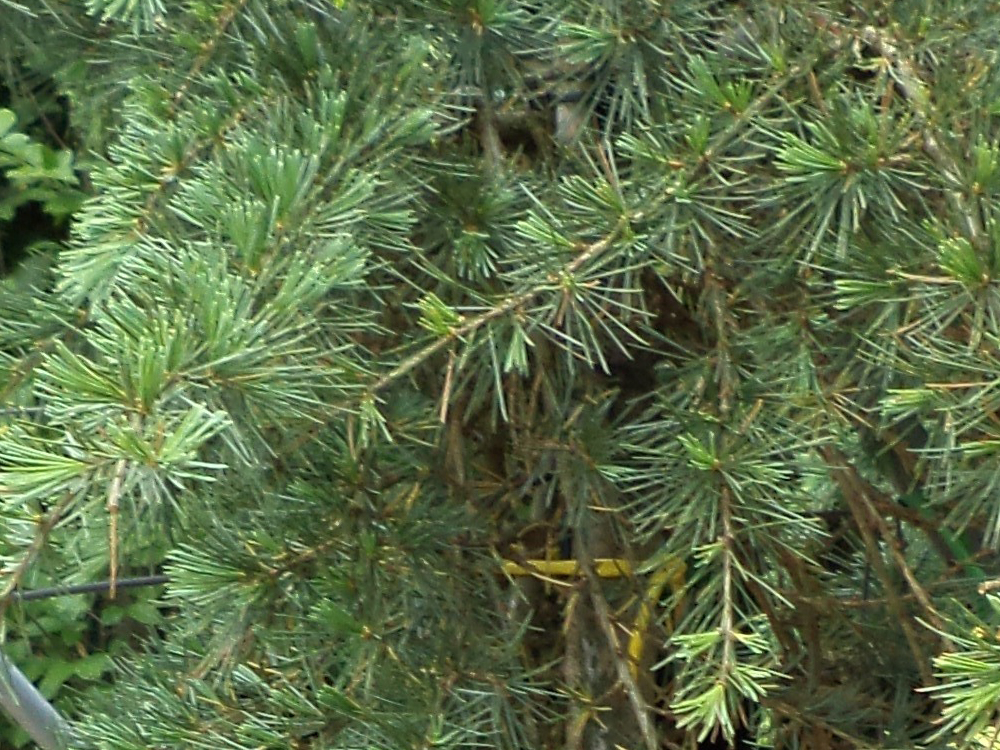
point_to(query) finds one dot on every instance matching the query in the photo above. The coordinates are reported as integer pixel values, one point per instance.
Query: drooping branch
(863, 518)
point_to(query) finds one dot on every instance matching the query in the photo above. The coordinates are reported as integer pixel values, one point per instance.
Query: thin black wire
(87, 588)
(80, 588)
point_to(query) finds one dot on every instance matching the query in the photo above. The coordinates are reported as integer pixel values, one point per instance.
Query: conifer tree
(508, 374)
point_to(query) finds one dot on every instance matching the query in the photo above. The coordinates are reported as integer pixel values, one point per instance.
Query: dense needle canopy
(364, 306)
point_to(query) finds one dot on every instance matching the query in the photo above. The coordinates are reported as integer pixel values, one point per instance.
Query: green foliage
(68, 645)
(31, 172)
(968, 678)
(372, 296)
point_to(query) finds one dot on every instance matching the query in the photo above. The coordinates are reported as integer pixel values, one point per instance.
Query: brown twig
(603, 612)
(862, 494)
(728, 621)
(790, 711)
(863, 517)
(865, 602)
(44, 529)
(114, 495)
